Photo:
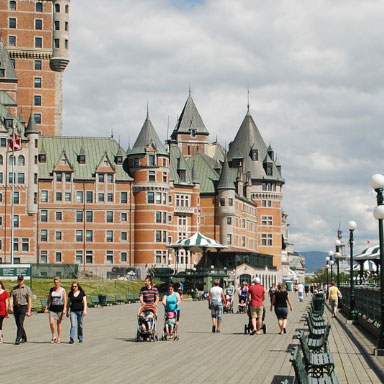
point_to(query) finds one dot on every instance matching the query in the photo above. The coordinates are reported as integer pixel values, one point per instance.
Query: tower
(36, 35)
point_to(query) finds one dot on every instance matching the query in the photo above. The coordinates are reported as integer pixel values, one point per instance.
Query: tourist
(77, 309)
(149, 295)
(4, 306)
(56, 305)
(271, 292)
(281, 302)
(300, 292)
(256, 297)
(333, 297)
(20, 304)
(229, 291)
(306, 289)
(171, 302)
(216, 300)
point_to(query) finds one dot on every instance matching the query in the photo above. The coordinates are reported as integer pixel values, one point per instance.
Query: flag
(15, 142)
(368, 241)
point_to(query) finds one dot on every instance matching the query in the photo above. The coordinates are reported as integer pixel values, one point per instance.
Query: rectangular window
(16, 221)
(20, 178)
(164, 177)
(37, 100)
(16, 197)
(57, 25)
(243, 241)
(59, 177)
(229, 220)
(66, 26)
(101, 177)
(59, 216)
(43, 235)
(150, 197)
(158, 257)
(43, 257)
(37, 82)
(266, 239)
(59, 196)
(79, 235)
(68, 196)
(38, 42)
(37, 117)
(158, 236)
(151, 160)
(44, 216)
(57, 43)
(25, 245)
(89, 257)
(109, 257)
(10, 178)
(89, 216)
(79, 216)
(79, 257)
(230, 201)
(89, 196)
(37, 65)
(110, 177)
(229, 239)
(89, 235)
(151, 176)
(124, 197)
(123, 257)
(12, 5)
(67, 177)
(158, 197)
(109, 236)
(123, 217)
(123, 236)
(38, 24)
(110, 197)
(79, 196)
(101, 197)
(59, 235)
(44, 196)
(12, 22)
(109, 216)
(266, 220)
(12, 41)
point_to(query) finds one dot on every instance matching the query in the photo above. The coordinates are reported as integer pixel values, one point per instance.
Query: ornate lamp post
(337, 258)
(377, 183)
(327, 260)
(352, 312)
(331, 262)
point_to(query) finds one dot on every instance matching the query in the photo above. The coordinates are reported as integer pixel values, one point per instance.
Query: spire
(248, 103)
(225, 181)
(31, 127)
(189, 90)
(147, 110)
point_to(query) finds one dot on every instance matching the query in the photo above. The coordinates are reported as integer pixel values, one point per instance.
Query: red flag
(368, 241)
(15, 142)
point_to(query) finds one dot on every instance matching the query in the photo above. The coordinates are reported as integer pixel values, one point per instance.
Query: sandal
(58, 341)
(53, 340)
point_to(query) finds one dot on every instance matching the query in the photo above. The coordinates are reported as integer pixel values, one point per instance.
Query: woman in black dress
(281, 302)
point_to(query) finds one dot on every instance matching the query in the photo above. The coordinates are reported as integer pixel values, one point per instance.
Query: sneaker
(80, 340)
(71, 341)
(213, 329)
(253, 332)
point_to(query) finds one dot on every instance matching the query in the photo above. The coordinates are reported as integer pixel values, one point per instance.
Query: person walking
(20, 304)
(256, 297)
(56, 305)
(149, 295)
(281, 301)
(216, 301)
(77, 309)
(171, 302)
(4, 306)
(333, 297)
(300, 292)
(271, 292)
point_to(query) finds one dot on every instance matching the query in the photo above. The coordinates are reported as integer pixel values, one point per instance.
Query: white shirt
(300, 288)
(216, 293)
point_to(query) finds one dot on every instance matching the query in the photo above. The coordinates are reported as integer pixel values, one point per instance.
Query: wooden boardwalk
(110, 354)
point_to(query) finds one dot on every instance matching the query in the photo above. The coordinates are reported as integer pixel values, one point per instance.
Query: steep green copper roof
(147, 136)
(226, 180)
(204, 165)
(247, 138)
(189, 120)
(5, 63)
(6, 100)
(94, 149)
(176, 154)
(31, 127)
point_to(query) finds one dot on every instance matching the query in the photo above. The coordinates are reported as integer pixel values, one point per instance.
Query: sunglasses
(74, 286)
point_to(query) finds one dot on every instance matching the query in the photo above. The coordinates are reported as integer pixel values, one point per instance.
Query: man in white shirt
(216, 301)
(300, 291)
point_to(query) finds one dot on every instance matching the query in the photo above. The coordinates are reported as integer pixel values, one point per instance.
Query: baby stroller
(146, 323)
(248, 327)
(242, 305)
(229, 307)
(170, 319)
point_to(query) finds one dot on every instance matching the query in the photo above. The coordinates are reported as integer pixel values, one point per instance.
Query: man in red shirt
(256, 297)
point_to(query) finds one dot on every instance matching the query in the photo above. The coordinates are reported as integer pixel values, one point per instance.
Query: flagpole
(12, 198)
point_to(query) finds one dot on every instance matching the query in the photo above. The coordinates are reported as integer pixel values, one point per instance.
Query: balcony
(184, 210)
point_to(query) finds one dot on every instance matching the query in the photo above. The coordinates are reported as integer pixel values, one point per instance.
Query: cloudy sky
(314, 69)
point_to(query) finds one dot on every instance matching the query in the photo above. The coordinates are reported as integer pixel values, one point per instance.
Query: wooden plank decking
(110, 354)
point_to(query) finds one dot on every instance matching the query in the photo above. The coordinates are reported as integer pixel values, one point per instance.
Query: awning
(371, 253)
(197, 242)
(368, 265)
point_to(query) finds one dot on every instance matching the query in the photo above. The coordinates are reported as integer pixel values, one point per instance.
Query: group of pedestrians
(19, 302)
(255, 295)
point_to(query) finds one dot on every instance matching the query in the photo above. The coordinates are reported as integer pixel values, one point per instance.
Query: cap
(256, 280)
(20, 277)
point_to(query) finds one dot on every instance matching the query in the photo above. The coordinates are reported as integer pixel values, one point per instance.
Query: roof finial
(248, 102)
(189, 89)
(147, 109)
(112, 133)
(168, 127)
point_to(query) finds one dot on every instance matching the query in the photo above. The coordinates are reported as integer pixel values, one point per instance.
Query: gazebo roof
(197, 242)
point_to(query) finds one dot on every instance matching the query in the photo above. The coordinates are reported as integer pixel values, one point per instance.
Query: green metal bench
(94, 301)
(315, 333)
(318, 345)
(109, 301)
(316, 364)
(43, 303)
(301, 374)
(119, 299)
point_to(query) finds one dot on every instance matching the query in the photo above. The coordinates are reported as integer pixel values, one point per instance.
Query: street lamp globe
(352, 225)
(378, 212)
(337, 255)
(327, 259)
(330, 254)
(331, 262)
(337, 242)
(377, 181)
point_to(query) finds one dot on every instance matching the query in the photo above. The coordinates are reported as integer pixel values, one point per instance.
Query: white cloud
(316, 82)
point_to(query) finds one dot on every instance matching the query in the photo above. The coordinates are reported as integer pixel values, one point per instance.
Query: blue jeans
(76, 319)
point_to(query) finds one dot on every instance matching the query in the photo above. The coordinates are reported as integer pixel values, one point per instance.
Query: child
(170, 324)
(146, 319)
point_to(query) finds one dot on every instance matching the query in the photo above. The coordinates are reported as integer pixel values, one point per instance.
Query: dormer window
(236, 163)
(81, 159)
(193, 132)
(268, 171)
(254, 155)
(151, 160)
(136, 162)
(8, 123)
(182, 174)
(119, 159)
(2, 72)
(42, 158)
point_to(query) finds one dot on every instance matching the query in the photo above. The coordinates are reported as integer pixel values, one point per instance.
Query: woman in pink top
(4, 304)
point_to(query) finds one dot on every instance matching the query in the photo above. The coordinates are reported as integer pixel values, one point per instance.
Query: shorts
(217, 310)
(333, 303)
(257, 312)
(281, 312)
(56, 315)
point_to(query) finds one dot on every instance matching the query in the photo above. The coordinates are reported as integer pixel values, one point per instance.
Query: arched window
(67, 8)
(1, 159)
(39, 6)
(21, 160)
(57, 7)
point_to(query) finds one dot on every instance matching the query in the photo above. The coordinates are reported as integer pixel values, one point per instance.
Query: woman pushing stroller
(171, 302)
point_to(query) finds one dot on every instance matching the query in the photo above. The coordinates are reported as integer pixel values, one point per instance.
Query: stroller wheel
(264, 329)
(245, 329)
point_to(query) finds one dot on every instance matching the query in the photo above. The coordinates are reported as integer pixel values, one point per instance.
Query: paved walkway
(110, 354)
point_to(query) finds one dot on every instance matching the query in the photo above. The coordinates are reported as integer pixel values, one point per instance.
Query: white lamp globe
(377, 181)
(352, 225)
(331, 262)
(327, 259)
(337, 242)
(378, 212)
(337, 255)
(331, 253)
